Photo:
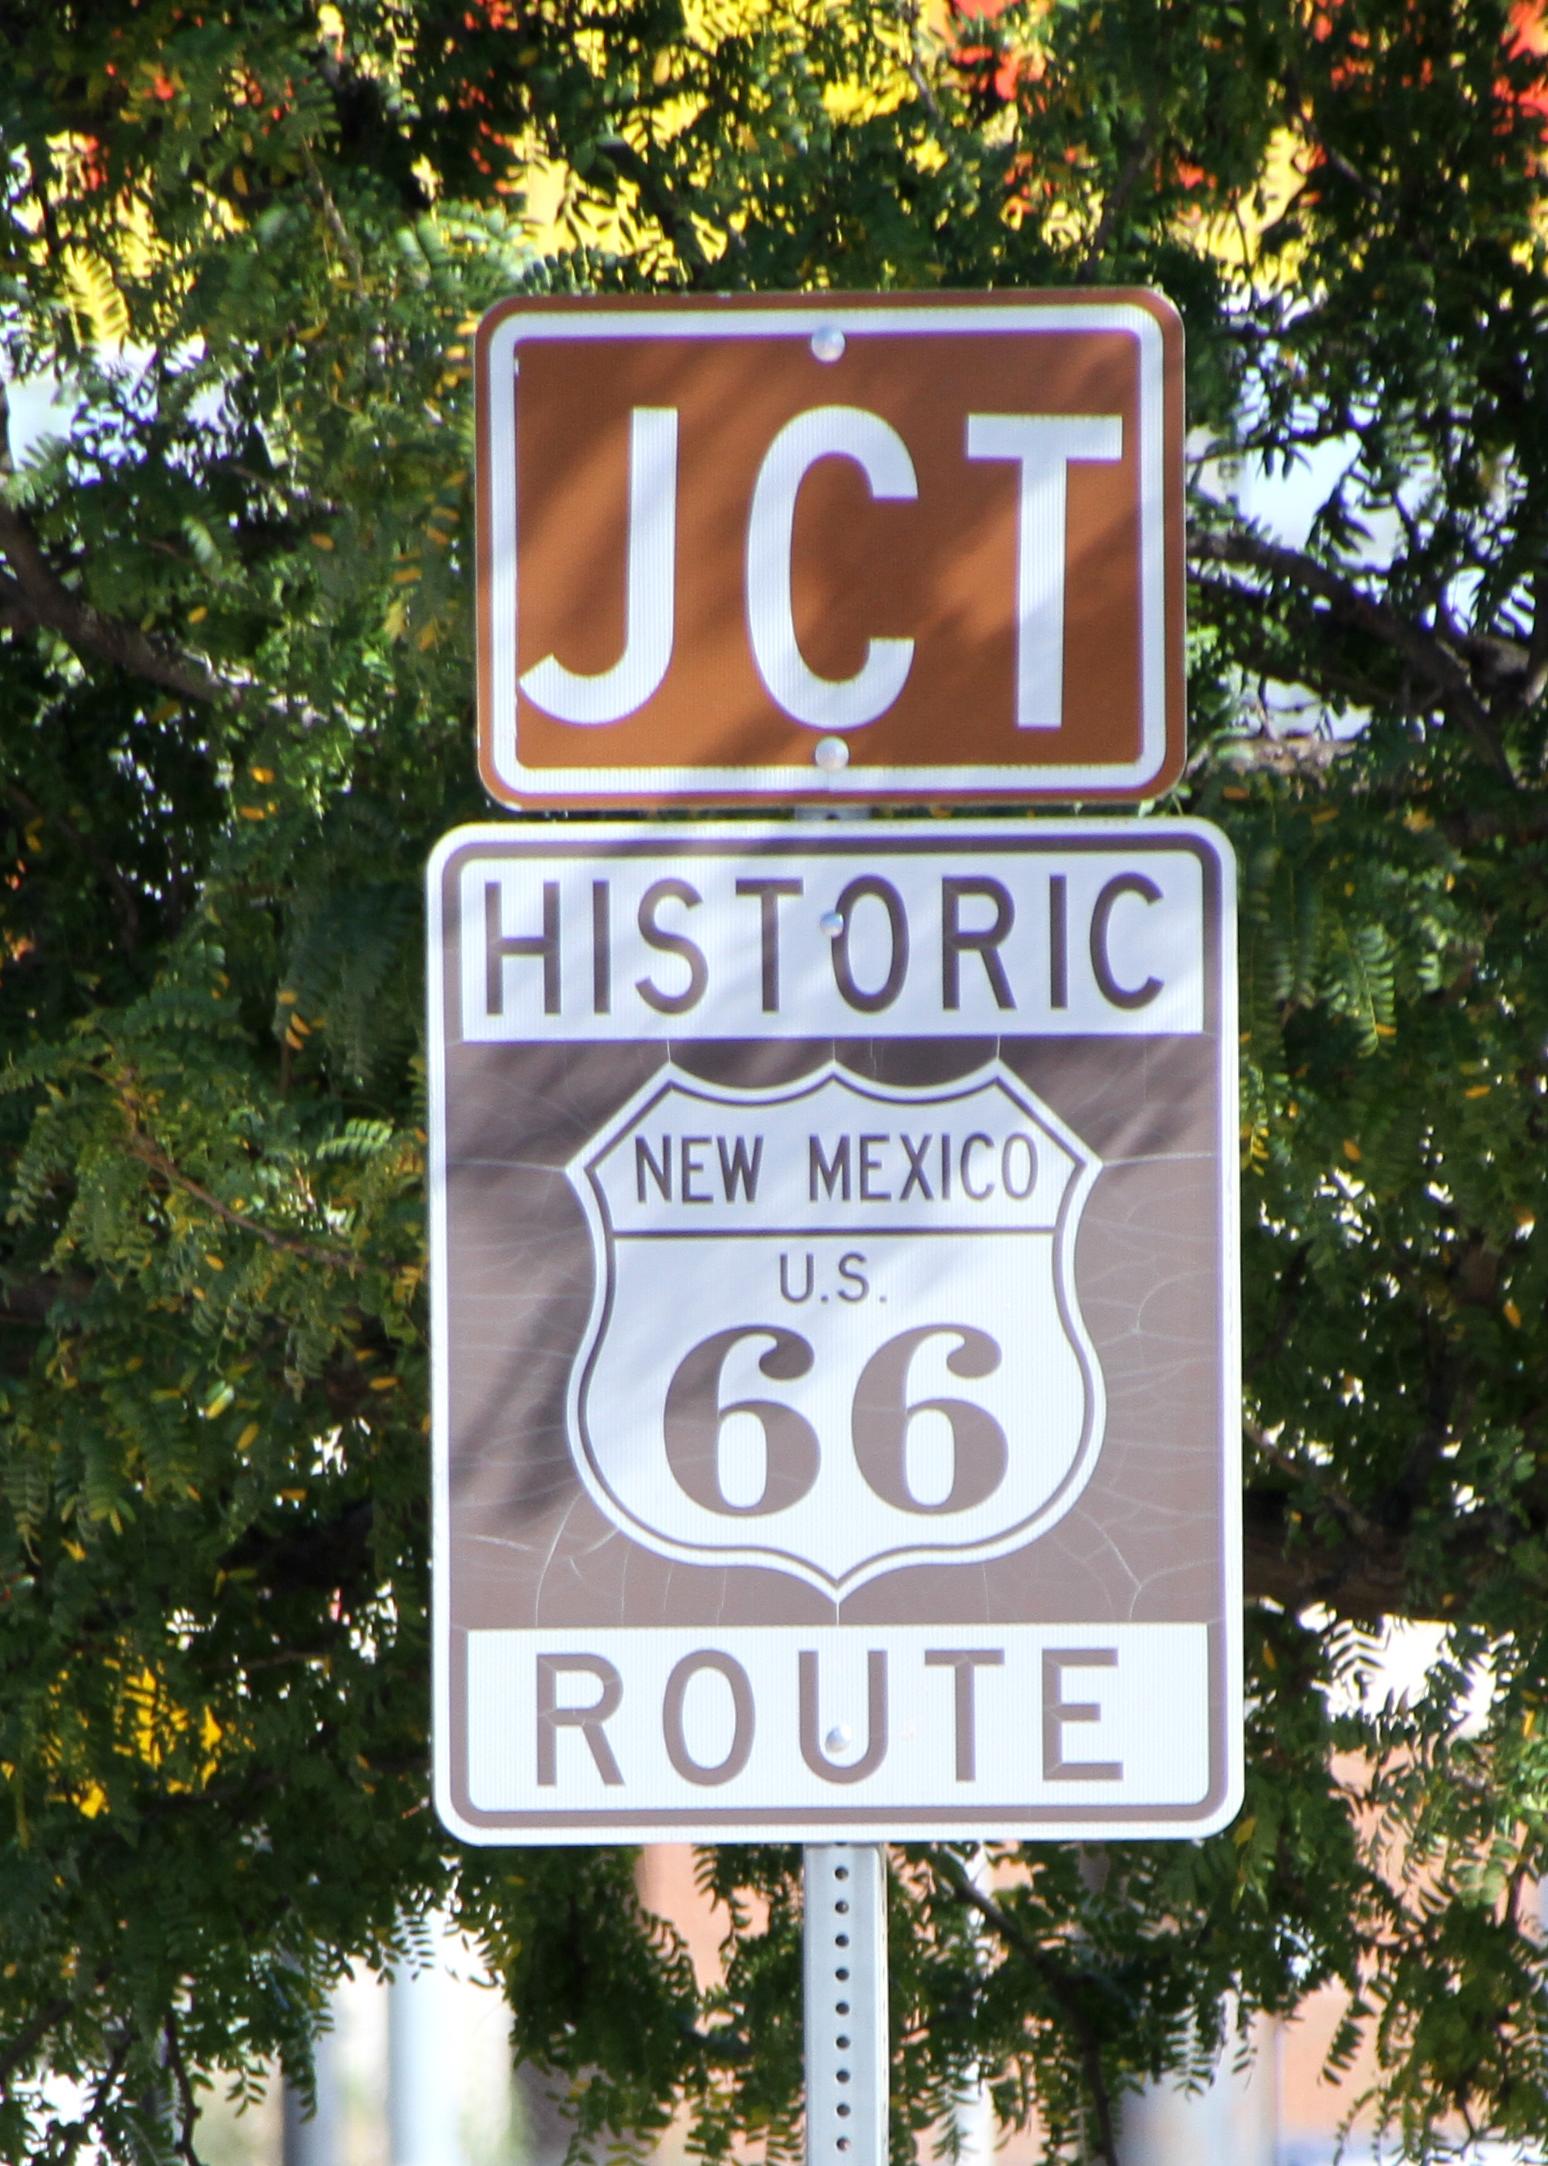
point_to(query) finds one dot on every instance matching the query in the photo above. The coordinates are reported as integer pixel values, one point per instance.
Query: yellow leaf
(92, 1800)
(263, 774)
(1479, 1090)
(1235, 790)
(406, 576)
(1319, 819)
(252, 812)
(92, 294)
(197, 616)
(287, 1000)
(216, 1263)
(1512, 1316)
(248, 1437)
(1244, 1830)
(1352, 1151)
(384, 1383)
(322, 541)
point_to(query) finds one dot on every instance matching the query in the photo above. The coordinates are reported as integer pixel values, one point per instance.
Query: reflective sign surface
(835, 1348)
(884, 547)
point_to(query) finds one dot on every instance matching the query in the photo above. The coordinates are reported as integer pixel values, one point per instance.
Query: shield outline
(582, 1176)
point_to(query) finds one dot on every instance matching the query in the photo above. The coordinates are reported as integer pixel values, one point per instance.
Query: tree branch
(1255, 646)
(1359, 1576)
(29, 2038)
(1448, 679)
(658, 200)
(31, 1300)
(1010, 1930)
(1537, 651)
(1114, 205)
(125, 904)
(150, 1154)
(336, 225)
(187, 2104)
(1301, 1470)
(36, 591)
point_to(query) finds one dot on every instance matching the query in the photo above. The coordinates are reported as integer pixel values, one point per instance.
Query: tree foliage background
(248, 242)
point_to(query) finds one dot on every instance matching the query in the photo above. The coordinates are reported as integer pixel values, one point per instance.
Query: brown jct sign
(836, 1401)
(864, 548)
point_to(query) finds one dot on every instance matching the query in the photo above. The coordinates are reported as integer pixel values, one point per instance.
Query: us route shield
(871, 1250)
(835, 1364)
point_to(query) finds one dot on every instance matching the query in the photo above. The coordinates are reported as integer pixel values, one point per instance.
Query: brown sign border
(638, 315)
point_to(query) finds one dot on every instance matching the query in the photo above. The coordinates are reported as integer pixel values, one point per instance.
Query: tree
(249, 241)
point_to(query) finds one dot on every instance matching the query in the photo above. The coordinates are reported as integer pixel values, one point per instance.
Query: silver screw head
(831, 755)
(838, 1737)
(828, 343)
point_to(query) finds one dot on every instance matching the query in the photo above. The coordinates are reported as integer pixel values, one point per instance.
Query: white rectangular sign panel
(836, 1401)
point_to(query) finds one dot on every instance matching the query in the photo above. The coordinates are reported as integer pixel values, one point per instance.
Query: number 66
(878, 1422)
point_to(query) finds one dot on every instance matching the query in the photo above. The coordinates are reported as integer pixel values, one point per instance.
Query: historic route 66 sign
(835, 1393)
(756, 1384)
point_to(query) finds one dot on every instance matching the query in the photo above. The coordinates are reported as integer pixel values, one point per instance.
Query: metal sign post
(833, 1226)
(845, 1985)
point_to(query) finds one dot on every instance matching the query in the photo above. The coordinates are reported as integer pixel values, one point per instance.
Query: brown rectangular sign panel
(836, 1400)
(852, 547)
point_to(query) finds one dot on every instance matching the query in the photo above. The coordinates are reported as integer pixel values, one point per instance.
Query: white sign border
(496, 486)
(1086, 1826)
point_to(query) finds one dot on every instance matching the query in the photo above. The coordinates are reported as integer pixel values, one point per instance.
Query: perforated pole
(846, 2004)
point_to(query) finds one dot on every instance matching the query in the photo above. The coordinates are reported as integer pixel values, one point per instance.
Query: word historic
(904, 947)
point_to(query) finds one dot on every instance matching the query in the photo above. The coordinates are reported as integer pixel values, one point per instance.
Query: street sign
(835, 1395)
(877, 548)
